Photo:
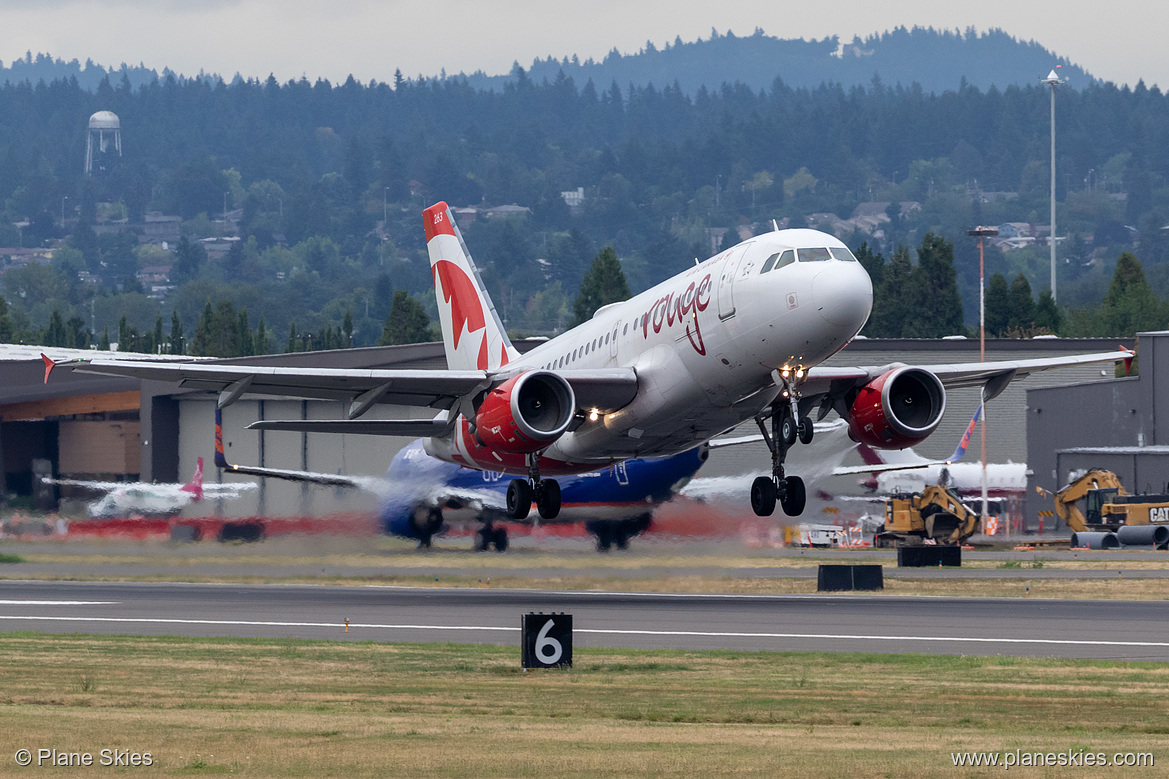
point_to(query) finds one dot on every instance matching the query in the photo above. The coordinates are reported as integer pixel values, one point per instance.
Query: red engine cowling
(526, 413)
(897, 409)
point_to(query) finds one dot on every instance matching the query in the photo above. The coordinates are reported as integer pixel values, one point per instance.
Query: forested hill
(43, 67)
(938, 60)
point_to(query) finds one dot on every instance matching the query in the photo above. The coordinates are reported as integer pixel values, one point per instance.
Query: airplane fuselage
(706, 346)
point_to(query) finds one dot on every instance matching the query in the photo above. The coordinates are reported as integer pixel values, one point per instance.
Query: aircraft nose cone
(844, 294)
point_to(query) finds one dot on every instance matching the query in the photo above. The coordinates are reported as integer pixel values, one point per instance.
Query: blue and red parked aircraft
(420, 496)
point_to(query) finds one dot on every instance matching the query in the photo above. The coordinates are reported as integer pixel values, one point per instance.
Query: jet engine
(526, 413)
(897, 409)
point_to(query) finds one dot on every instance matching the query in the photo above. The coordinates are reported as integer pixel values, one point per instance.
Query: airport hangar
(95, 427)
(1118, 426)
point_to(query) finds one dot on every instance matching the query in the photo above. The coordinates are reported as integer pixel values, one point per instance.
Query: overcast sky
(1121, 41)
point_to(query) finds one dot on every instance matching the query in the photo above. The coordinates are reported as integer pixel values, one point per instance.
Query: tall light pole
(982, 233)
(63, 211)
(1053, 80)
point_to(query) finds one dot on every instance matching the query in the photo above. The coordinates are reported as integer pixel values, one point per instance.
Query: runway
(1130, 630)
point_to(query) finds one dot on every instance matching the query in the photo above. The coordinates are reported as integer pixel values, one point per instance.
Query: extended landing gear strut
(788, 490)
(545, 491)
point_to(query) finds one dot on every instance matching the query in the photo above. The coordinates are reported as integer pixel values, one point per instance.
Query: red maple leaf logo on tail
(460, 293)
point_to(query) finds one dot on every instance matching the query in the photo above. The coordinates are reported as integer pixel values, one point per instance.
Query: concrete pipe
(1095, 540)
(1143, 535)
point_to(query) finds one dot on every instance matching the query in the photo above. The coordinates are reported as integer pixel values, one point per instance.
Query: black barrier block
(832, 578)
(546, 641)
(929, 556)
(836, 578)
(868, 577)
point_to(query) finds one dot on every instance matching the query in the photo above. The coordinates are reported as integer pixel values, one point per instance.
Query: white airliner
(144, 499)
(741, 336)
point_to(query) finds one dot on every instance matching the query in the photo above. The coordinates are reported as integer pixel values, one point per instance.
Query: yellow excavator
(935, 514)
(1107, 505)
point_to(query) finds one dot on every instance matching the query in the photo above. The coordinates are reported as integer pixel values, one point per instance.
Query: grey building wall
(1070, 428)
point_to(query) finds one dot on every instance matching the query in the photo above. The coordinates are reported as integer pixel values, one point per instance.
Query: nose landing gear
(787, 490)
(546, 492)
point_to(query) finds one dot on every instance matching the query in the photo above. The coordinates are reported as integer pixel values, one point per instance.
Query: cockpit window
(814, 255)
(842, 254)
(787, 258)
(770, 263)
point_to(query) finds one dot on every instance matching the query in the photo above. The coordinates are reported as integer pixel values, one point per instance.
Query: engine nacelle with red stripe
(900, 408)
(526, 413)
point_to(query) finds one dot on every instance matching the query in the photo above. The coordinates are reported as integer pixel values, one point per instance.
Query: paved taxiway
(1094, 629)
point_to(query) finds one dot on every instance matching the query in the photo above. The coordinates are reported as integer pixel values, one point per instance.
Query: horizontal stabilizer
(410, 428)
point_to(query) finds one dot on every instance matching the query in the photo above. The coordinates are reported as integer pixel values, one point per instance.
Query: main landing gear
(546, 492)
(788, 490)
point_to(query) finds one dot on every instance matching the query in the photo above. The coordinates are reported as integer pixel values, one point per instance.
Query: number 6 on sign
(548, 650)
(547, 640)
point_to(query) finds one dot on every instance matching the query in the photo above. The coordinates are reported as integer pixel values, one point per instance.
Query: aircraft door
(726, 283)
(613, 339)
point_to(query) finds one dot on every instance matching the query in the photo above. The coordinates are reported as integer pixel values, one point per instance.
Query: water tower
(104, 126)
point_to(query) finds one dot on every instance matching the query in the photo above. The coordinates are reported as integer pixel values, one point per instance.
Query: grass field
(302, 708)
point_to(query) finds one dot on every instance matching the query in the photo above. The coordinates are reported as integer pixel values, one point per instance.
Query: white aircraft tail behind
(471, 330)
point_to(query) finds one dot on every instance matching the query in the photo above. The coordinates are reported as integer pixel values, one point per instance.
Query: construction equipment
(934, 515)
(1107, 505)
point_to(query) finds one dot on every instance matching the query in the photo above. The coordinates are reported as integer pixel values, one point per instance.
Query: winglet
(1127, 360)
(965, 442)
(49, 365)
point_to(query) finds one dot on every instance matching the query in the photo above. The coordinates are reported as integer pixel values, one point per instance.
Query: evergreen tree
(55, 335)
(125, 339)
(158, 340)
(604, 283)
(293, 343)
(176, 333)
(5, 322)
(998, 306)
(246, 345)
(1130, 305)
(1022, 306)
(893, 301)
(937, 308)
(407, 322)
(347, 329)
(78, 332)
(204, 332)
(260, 344)
(1047, 315)
(104, 344)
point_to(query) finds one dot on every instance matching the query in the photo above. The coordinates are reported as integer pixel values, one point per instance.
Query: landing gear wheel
(795, 497)
(788, 430)
(548, 499)
(519, 499)
(499, 537)
(763, 496)
(483, 538)
(806, 431)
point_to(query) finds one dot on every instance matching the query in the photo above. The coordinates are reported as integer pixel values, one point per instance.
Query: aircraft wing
(605, 389)
(994, 376)
(227, 490)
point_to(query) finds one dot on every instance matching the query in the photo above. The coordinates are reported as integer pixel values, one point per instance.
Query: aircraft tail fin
(472, 332)
(965, 442)
(195, 485)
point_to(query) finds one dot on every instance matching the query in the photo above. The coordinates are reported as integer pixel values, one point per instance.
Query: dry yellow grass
(301, 708)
